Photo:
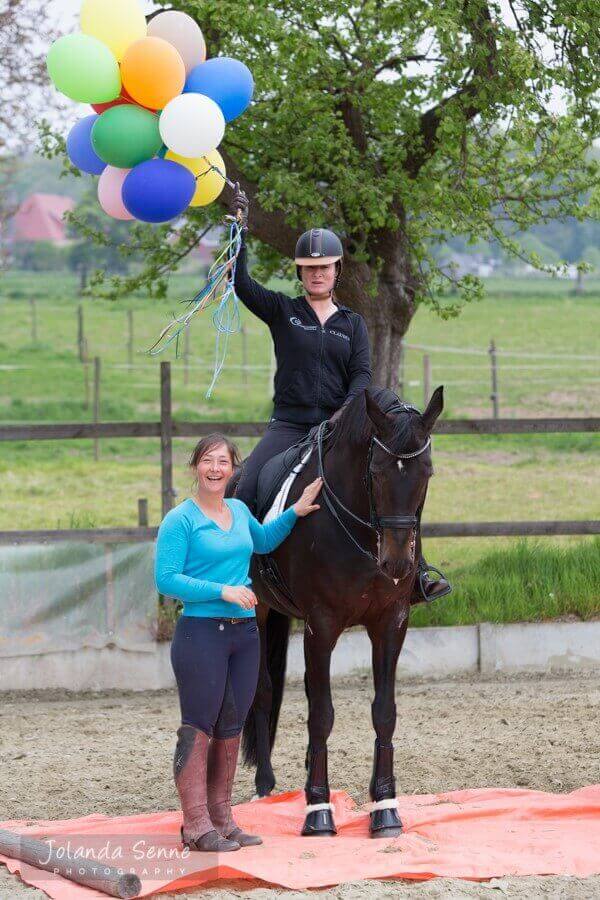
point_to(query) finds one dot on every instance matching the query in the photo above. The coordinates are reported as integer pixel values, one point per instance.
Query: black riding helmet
(318, 247)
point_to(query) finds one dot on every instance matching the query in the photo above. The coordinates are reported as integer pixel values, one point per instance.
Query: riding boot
(222, 763)
(425, 590)
(189, 770)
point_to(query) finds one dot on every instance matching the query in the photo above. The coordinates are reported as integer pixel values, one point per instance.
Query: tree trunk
(389, 311)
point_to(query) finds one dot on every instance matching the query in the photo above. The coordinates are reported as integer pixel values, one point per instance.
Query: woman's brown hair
(207, 443)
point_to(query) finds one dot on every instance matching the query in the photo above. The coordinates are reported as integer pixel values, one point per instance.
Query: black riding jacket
(319, 367)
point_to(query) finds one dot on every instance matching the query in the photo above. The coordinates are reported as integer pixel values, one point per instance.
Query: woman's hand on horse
(241, 595)
(306, 505)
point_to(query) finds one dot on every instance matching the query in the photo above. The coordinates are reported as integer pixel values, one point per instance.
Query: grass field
(57, 484)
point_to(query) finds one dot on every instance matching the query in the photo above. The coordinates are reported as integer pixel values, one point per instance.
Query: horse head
(398, 474)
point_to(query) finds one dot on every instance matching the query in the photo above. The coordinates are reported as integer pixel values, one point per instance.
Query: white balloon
(183, 33)
(192, 125)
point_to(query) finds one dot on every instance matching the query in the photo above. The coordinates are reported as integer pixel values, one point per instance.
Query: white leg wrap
(316, 807)
(391, 803)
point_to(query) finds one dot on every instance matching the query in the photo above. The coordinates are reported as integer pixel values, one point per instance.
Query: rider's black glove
(240, 205)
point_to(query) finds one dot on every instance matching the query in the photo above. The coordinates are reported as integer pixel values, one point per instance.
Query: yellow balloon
(209, 183)
(117, 23)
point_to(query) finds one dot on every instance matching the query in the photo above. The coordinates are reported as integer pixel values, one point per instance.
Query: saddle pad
(278, 505)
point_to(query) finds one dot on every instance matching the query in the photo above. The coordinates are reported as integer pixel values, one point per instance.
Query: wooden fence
(168, 428)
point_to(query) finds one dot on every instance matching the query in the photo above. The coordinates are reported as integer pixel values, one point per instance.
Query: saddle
(278, 469)
(274, 482)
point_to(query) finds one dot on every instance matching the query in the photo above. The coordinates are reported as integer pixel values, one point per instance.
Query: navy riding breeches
(216, 667)
(279, 436)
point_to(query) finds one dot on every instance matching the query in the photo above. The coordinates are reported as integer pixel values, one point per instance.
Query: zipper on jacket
(320, 367)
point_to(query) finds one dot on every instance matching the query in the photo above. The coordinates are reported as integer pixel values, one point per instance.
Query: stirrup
(423, 573)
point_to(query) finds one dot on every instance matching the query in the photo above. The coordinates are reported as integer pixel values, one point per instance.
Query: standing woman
(322, 353)
(203, 556)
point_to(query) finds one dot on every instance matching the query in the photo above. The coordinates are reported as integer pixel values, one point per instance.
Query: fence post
(166, 438)
(244, 354)
(96, 404)
(130, 337)
(186, 355)
(143, 512)
(34, 335)
(86, 384)
(426, 379)
(494, 366)
(81, 345)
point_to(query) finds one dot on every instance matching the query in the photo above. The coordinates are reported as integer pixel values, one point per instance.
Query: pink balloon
(109, 193)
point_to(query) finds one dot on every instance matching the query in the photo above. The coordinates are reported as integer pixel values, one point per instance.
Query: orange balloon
(153, 72)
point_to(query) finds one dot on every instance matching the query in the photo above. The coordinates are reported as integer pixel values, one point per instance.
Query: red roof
(40, 218)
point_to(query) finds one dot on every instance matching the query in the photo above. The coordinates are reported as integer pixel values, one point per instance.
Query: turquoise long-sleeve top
(196, 558)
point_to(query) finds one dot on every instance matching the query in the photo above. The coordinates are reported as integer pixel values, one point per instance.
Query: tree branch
(269, 226)
(394, 62)
(482, 35)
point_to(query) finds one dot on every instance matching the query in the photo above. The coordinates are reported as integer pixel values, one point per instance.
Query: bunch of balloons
(160, 108)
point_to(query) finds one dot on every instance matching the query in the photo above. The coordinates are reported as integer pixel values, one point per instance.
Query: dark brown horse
(350, 563)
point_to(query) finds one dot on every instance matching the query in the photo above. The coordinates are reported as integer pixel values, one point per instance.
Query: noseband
(376, 523)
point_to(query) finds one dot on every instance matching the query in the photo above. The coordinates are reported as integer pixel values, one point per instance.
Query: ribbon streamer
(219, 289)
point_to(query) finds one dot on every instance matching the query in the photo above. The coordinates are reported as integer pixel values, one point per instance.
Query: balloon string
(226, 318)
(213, 168)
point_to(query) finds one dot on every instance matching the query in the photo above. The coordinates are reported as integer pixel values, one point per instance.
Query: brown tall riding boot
(189, 770)
(222, 763)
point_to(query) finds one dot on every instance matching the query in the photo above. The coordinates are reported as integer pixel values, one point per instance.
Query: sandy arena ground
(69, 755)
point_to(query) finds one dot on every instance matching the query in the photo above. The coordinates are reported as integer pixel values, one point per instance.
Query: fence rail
(168, 428)
(182, 429)
(434, 529)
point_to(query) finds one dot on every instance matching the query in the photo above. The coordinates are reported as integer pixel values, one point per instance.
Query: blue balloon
(80, 150)
(163, 151)
(226, 81)
(158, 190)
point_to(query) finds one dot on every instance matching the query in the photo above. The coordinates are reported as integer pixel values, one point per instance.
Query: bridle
(376, 523)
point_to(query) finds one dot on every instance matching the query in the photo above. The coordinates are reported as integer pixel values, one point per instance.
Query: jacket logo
(296, 321)
(339, 334)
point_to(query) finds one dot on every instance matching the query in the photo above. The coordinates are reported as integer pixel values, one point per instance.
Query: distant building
(40, 218)
(460, 264)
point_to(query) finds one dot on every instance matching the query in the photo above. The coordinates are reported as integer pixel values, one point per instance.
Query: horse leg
(387, 636)
(318, 647)
(265, 777)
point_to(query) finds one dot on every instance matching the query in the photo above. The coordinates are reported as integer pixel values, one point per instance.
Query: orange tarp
(474, 834)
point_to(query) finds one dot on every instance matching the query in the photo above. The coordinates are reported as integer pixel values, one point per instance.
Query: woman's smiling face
(214, 469)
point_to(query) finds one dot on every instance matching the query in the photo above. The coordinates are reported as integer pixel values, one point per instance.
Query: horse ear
(434, 408)
(377, 416)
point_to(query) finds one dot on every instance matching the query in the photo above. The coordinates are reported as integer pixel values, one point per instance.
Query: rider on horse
(322, 352)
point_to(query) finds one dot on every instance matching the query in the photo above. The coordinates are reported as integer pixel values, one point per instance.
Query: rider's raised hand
(305, 505)
(240, 205)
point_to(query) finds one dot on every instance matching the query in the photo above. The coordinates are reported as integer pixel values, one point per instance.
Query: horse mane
(355, 428)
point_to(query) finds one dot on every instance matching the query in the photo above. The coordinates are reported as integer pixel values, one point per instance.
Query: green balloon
(126, 135)
(84, 69)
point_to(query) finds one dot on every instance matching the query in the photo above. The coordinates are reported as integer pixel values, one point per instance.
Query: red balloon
(121, 100)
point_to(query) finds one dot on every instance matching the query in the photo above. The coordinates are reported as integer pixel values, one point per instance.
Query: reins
(376, 523)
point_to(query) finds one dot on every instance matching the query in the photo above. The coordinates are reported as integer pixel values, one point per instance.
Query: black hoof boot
(319, 823)
(385, 823)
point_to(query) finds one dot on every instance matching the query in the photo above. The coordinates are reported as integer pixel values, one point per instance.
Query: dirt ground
(64, 755)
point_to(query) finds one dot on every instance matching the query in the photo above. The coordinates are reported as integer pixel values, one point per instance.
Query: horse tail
(277, 635)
